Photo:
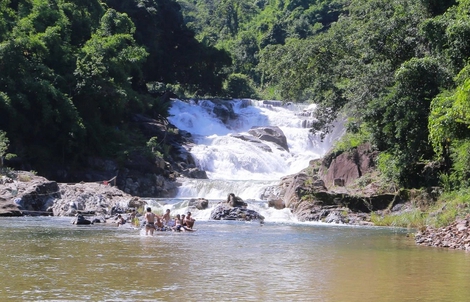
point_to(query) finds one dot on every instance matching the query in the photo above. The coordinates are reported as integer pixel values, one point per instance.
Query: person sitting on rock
(231, 199)
(120, 220)
(235, 201)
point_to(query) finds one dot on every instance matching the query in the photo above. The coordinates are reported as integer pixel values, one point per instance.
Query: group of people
(180, 223)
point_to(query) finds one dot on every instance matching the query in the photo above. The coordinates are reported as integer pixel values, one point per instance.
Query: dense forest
(73, 72)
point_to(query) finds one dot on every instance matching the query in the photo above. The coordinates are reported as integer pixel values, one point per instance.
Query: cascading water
(233, 163)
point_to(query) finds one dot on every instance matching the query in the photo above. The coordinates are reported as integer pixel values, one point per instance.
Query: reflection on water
(45, 259)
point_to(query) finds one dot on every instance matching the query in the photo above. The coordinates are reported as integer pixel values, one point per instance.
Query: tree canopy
(72, 72)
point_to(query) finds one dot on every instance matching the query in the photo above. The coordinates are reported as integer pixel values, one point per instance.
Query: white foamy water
(237, 166)
(225, 157)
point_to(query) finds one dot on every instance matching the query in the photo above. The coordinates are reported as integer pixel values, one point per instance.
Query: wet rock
(224, 211)
(81, 220)
(278, 204)
(254, 140)
(200, 203)
(196, 173)
(272, 134)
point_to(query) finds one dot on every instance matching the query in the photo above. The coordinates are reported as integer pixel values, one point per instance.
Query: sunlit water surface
(49, 259)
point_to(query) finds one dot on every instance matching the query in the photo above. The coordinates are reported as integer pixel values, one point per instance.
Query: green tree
(174, 55)
(239, 86)
(39, 116)
(105, 69)
(399, 121)
(4, 143)
(448, 126)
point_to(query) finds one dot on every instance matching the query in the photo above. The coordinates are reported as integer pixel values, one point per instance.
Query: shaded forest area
(74, 72)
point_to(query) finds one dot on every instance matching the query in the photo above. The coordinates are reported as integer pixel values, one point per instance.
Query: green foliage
(448, 132)
(448, 182)
(72, 73)
(399, 121)
(174, 55)
(437, 7)
(239, 86)
(451, 205)
(355, 136)
(104, 91)
(414, 218)
(388, 166)
(4, 143)
(34, 95)
(460, 156)
(156, 147)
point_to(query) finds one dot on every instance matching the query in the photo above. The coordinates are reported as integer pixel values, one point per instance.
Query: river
(49, 259)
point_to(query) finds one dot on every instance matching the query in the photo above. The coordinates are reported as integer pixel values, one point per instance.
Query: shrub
(239, 86)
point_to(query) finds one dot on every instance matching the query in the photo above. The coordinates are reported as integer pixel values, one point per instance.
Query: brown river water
(49, 259)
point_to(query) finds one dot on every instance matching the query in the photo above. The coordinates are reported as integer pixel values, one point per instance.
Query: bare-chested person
(189, 221)
(150, 219)
(178, 224)
(184, 222)
(167, 218)
(159, 223)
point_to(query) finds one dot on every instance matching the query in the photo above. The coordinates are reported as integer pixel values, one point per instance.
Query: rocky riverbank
(337, 189)
(453, 236)
(24, 193)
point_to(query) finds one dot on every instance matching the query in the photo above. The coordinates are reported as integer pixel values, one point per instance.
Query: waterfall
(236, 164)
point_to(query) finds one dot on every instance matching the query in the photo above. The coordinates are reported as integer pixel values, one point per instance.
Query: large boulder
(200, 203)
(344, 168)
(93, 198)
(253, 140)
(81, 220)
(196, 173)
(272, 134)
(224, 211)
(26, 193)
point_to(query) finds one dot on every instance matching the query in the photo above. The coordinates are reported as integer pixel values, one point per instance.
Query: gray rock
(28, 194)
(226, 212)
(200, 203)
(272, 134)
(254, 140)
